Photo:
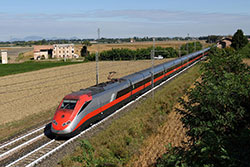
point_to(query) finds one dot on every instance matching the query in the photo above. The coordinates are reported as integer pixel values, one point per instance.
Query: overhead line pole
(96, 58)
(195, 45)
(152, 68)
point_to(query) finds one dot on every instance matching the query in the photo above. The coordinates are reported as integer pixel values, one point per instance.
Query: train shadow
(47, 132)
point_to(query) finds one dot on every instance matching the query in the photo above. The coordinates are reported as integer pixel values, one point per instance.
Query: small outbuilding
(43, 51)
(4, 56)
(225, 42)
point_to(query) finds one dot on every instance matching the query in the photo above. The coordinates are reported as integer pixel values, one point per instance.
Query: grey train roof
(164, 65)
(103, 86)
(135, 77)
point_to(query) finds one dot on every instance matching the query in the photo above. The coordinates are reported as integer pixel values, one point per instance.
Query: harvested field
(247, 61)
(13, 52)
(136, 45)
(34, 92)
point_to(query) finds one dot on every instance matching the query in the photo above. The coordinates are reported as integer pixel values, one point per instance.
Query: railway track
(37, 145)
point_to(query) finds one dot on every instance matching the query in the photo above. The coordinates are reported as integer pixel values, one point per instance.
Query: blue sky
(65, 19)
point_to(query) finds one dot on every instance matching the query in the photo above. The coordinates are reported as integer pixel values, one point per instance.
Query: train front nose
(61, 122)
(63, 117)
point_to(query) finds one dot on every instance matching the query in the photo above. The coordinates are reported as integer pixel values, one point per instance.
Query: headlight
(54, 122)
(66, 123)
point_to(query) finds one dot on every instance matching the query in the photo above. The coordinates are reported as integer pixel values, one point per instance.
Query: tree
(213, 38)
(190, 48)
(239, 40)
(216, 115)
(84, 50)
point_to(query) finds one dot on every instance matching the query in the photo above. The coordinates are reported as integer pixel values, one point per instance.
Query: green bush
(216, 115)
(90, 57)
(87, 157)
(144, 53)
(138, 54)
(245, 51)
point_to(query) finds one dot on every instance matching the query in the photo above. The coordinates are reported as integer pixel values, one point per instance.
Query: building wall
(41, 54)
(63, 50)
(58, 51)
(42, 51)
(224, 43)
(4, 57)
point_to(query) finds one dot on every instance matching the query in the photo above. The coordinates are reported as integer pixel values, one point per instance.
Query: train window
(138, 84)
(158, 75)
(149, 79)
(170, 69)
(123, 92)
(84, 106)
(68, 104)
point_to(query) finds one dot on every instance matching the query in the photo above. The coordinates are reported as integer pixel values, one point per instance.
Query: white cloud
(121, 23)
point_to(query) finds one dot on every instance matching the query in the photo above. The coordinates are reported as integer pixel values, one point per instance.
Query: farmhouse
(43, 52)
(225, 42)
(54, 51)
(63, 50)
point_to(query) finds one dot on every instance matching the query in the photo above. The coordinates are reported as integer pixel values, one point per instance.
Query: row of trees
(143, 53)
(139, 54)
(216, 116)
(101, 40)
(45, 42)
(190, 48)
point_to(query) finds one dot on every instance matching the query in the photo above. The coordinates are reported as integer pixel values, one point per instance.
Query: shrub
(216, 115)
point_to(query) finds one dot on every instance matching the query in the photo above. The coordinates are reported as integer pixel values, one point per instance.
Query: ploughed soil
(25, 94)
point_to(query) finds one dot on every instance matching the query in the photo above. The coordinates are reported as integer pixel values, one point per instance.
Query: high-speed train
(79, 110)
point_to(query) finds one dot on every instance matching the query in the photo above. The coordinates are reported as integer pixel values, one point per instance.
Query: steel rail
(19, 146)
(44, 156)
(72, 139)
(20, 138)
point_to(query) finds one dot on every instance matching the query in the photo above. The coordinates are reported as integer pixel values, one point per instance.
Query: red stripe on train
(105, 107)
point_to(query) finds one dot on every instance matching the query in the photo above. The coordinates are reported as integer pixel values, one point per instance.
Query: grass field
(9, 69)
(120, 143)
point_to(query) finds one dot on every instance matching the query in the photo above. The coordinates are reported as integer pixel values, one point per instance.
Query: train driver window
(68, 104)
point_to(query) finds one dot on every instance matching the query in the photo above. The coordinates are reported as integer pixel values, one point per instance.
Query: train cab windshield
(68, 104)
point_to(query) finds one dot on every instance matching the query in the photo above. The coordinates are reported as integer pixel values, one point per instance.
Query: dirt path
(38, 91)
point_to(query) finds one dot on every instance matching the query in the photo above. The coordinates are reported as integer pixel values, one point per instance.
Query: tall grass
(115, 145)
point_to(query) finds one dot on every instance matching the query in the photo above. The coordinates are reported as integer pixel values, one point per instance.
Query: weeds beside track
(123, 138)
